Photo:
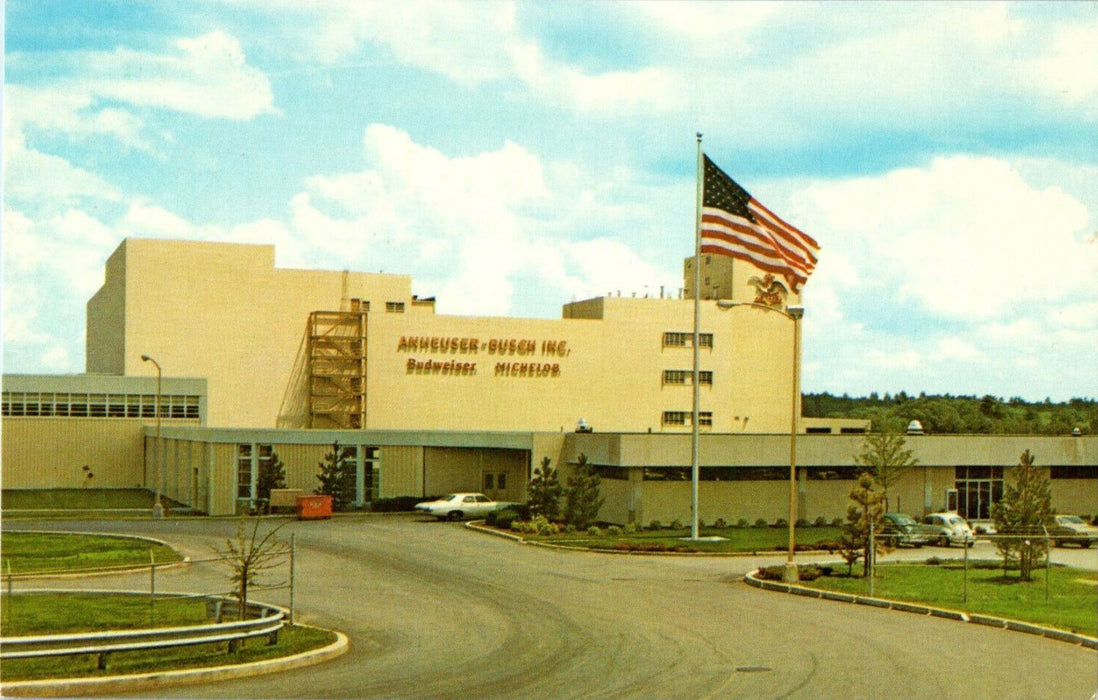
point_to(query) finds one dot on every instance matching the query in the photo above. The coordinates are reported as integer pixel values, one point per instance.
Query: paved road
(434, 610)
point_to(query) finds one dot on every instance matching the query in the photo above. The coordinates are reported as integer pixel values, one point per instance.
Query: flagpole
(694, 468)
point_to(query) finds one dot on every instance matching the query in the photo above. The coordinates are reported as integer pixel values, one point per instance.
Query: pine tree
(867, 508)
(272, 475)
(1025, 511)
(884, 456)
(581, 497)
(545, 492)
(337, 476)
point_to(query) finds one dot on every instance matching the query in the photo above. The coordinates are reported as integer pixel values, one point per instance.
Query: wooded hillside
(959, 414)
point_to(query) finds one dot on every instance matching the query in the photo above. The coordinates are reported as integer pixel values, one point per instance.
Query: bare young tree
(250, 555)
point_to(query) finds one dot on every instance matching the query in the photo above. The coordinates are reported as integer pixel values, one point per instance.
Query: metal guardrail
(269, 622)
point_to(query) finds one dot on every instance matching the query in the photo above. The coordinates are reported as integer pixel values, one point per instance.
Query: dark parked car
(1071, 529)
(899, 530)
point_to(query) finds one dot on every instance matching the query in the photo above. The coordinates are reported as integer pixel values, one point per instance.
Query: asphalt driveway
(435, 610)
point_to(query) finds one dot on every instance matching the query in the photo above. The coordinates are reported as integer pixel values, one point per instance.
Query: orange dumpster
(314, 507)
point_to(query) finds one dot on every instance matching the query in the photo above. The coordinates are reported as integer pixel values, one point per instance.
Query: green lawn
(1072, 603)
(58, 503)
(38, 552)
(60, 612)
(737, 539)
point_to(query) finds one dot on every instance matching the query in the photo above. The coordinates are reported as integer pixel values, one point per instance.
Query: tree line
(945, 413)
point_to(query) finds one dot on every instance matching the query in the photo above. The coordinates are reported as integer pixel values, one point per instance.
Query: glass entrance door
(977, 489)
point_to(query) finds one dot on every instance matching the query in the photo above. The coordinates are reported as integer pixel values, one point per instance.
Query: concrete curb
(479, 526)
(1001, 623)
(65, 687)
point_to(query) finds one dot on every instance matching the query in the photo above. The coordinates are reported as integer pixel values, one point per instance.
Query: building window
(674, 376)
(611, 472)
(676, 339)
(977, 489)
(244, 472)
(1073, 471)
(394, 307)
(705, 419)
(680, 376)
(674, 417)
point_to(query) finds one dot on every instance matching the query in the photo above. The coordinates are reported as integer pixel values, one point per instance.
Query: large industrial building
(256, 360)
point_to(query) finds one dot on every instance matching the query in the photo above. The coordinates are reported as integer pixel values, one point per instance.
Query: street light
(793, 313)
(158, 509)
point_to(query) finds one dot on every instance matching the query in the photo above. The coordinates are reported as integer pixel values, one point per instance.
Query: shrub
(630, 528)
(933, 561)
(502, 518)
(594, 531)
(614, 531)
(837, 522)
(569, 529)
(677, 524)
(543, 527)
(820, 521)
(720, 523)
(761, 522)
(809, 572)
(781, 522)
(742, 522)
(655, 525)
(771, 573)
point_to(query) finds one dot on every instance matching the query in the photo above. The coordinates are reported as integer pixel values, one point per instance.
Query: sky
(513, 157)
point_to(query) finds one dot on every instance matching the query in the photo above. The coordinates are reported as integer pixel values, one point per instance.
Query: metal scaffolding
(337, 368)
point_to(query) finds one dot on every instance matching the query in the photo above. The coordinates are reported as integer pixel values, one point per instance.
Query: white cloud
(1067, 73)
(965, 237)
(206, 76)
(958, 349)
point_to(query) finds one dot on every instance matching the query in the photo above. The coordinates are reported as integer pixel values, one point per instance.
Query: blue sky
(512, 157)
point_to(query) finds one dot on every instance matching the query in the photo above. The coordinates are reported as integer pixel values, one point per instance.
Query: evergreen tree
(272, 475)
(884, 456)
(1025, 511)
(545, 492)
(581, 497)
(867, 508)
(337, 476)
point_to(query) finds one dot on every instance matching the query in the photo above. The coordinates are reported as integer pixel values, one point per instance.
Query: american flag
(735, 223)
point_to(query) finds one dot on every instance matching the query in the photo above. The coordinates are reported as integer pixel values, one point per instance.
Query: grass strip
(736, 539)
(1072, 593)
(57, 613)
(38, 552)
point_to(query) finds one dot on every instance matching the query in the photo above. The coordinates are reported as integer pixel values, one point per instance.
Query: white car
(945, 529)
(458, 506)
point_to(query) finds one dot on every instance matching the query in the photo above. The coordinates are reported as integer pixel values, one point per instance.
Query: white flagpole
(694, 468)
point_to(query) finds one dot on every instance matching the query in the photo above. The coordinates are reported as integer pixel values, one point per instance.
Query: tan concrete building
(289, 361)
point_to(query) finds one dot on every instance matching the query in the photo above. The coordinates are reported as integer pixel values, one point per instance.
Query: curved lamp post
(158, 509)
(793, 313)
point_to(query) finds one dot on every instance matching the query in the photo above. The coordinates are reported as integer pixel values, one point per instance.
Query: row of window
(682, 376)
(705, 418)
(983, 492)
(684, 340)
(98, 405)
(833, 473)
(251, 459)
